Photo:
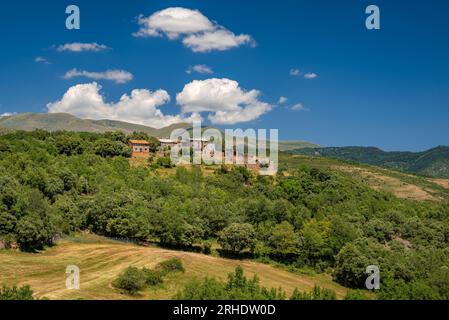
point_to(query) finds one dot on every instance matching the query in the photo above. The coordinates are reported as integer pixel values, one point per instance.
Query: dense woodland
(54, 184)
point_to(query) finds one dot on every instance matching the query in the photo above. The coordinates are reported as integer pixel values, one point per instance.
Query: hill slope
(101, 260)
(293, 145)
(433, 162)
(63, 121)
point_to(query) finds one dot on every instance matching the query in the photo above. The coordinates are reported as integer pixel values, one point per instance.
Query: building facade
(141, 148)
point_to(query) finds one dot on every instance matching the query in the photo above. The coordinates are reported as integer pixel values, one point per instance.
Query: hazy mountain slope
(62, 121)
(433, 162)
(292, 145)
(50, 122)
(125, 126)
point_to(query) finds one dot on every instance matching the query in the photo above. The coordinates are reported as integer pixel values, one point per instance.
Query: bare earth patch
(441, 182)
(101, 262)
(382, 182)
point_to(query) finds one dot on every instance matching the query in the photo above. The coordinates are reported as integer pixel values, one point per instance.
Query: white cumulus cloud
(7, 114)
(219, 40)
(141, 107)
(282, 100)
(174, 22)
(223, 100)
(299, 107)
(118, 76)
(310, 75)
(80, 47)
(196, 30)
(200, 68)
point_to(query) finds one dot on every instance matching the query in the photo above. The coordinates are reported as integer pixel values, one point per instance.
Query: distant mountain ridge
(433, 162)
(288, 145)
(63, 121)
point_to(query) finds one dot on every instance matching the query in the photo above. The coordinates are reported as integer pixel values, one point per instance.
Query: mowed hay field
(101, 260)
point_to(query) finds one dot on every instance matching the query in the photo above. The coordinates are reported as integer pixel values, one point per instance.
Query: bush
(152, 277)
(132, 280)
(163, 162)
(238, 287)
(355, 295)
(317, 293)
(207, 248)
(169, 266)
(206, 289)
(15, 293)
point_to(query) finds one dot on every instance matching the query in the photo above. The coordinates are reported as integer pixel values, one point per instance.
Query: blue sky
(387, 88)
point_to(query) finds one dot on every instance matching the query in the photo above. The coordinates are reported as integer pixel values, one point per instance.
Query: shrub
(163, 162)
(207, 247)
(169, 266)
(152, 277)
(16, 293)
(132, 280)
(317, 293)
(355, 295)
(206, 289)
(238, 287)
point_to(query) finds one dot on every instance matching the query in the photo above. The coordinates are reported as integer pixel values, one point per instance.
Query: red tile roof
(139, 142)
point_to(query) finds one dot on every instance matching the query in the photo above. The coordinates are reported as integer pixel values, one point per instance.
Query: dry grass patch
(441, 182)
(390, 184)
(101, 262)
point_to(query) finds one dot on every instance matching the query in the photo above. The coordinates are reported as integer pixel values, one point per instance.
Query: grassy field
(100, 260)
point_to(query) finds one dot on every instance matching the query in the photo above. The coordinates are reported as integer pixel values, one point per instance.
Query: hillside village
(207, 150)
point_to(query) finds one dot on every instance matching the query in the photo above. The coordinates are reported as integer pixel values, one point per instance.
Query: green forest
(56, 184)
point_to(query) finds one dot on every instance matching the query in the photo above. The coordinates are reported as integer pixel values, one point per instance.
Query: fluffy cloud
(199, 68)
(310, 75)
(141, 107)
(198, 32)
(219, 40)
(7, 114)
(295, 72)
(299, 107)
(282, 100)
(223, 99)
(80, 47)
(174, 22)
(118, 76)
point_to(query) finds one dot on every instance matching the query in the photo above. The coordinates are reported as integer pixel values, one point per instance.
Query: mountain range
(63, 121)
(433, 162)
